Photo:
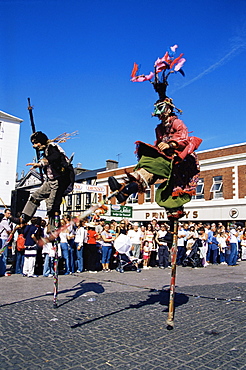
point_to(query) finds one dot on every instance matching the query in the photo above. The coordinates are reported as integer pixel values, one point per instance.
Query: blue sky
(74, 60)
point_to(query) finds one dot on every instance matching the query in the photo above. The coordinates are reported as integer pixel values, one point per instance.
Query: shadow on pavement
(80, 289)
(161, 297)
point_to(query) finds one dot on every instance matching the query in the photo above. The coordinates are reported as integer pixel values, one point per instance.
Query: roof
(91, 174)
(9, 117)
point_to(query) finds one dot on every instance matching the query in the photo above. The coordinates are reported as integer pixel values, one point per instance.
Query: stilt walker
(171, 159)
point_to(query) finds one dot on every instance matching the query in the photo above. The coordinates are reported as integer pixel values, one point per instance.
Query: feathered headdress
(167, 65)
(62, 138)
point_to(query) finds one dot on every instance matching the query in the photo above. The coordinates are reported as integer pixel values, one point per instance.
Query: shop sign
(234, 213)
(121, 211)
(89, 188)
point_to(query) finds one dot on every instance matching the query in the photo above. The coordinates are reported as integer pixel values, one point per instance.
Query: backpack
(20, 243)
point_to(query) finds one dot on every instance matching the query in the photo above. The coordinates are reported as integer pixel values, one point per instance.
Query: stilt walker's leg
(57, 219)
(170, 318)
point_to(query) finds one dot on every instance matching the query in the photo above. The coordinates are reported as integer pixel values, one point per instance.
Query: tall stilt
(170, 318)
(57, 221)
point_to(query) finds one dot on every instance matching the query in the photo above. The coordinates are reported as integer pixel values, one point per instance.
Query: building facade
(9, 141)
(221, 190)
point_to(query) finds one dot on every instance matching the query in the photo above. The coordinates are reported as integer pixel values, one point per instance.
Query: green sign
(121, 211)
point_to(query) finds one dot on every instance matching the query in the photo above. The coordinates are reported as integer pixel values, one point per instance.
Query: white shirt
(135, 236)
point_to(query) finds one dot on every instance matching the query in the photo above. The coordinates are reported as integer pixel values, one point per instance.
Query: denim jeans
(48, 265)
(163, 255)
(71, 255)
(222, 257)
(80, 258)
(3, 257)
(19, 262)
(106, 253)
(232, 260)
(65, 255)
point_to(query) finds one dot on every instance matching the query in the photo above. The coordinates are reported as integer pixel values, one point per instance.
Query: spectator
(32, 233)
(214, 249)
(48, 270)
(181, 245)
(19, 254)
(5, 229)
(150, 236)
(222, 246)
(107, 247)
(92, 248)
(191, 236)
(203, 250)
(146, 254)
(164, 241)
(122, 229)
(232, 261)
(64, 237)
(80, 237)
(71, 246)
(135, 237)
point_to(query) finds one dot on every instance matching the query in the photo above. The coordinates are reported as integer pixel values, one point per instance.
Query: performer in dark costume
(172, 157)
(59, 176)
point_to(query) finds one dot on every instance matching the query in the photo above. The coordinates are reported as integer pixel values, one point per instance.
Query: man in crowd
(5, 229)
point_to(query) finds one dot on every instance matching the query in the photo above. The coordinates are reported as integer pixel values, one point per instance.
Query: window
(147, 195)
(199, 190)
(133, 198)
(78, 200)
(217, 187)
(69, 201)
(88, 199)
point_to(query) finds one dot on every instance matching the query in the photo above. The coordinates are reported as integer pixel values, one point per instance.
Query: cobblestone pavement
(118, 321)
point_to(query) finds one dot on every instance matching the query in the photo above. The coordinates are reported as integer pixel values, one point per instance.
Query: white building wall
(9, 141)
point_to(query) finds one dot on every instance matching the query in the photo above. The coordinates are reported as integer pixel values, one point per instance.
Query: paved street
(118, 321)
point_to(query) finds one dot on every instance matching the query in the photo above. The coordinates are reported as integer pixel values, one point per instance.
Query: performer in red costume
(172, 157)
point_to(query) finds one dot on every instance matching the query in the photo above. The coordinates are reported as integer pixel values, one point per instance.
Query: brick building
(221, 191)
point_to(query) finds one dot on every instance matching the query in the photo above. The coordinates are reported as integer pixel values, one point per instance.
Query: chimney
(111, 164)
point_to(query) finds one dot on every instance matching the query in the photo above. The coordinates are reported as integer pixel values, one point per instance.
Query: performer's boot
(139, 181)
(29, 209)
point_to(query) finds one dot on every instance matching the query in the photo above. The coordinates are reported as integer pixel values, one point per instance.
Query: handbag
(20, 243)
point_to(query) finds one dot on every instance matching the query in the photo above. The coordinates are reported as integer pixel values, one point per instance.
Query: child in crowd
(146, 254)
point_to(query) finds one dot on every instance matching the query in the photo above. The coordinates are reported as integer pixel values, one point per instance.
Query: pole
(30, 108)
(55, 266)
(170, 318)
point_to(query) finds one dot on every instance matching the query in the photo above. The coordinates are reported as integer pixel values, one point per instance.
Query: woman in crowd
(64, 237)
(92, 248)
(203, 250)
(222, 246)
(191, 236)
(107, 247)
(79, 240)
(214, 249)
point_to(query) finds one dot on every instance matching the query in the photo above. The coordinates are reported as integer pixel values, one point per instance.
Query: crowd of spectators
(89, 246)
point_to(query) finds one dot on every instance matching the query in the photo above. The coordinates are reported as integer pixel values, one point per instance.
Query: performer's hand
(163, 146)
(34, 165)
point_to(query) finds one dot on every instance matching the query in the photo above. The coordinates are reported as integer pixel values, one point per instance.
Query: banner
(89, 188)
